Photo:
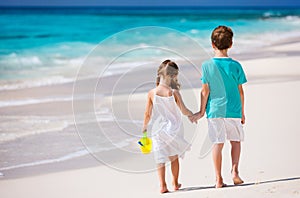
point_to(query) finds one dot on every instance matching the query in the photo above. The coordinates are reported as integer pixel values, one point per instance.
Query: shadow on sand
(245, 184)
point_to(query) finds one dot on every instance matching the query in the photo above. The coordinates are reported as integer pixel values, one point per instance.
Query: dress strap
(173, 93)
(154, 97)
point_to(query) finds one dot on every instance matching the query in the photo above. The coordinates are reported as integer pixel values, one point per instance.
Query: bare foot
(177, 187)
(236, 178)
(219, 183)
(164, 189)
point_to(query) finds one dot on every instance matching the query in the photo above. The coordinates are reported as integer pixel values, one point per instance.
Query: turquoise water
(34, 39)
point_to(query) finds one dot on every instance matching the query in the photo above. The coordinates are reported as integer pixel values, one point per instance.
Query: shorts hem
(235, 140)
(222, 142)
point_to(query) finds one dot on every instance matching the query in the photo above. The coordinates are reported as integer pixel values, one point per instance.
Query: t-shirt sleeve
(204, 74)
(241, 75)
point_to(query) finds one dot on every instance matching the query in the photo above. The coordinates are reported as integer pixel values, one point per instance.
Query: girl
(163, 107)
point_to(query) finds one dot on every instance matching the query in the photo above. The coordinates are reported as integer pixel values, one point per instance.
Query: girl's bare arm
(148, 110)
(181, 105)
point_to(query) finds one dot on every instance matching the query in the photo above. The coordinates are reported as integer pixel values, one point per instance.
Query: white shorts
(220, 129)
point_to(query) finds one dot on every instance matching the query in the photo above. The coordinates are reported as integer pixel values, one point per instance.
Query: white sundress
(166, 129)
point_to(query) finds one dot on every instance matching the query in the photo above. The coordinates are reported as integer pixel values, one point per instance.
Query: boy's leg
(235, 158)
(217, 158)
(161, 170)
(175, 171)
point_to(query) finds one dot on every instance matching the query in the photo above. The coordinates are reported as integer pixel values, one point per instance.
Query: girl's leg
(235, 157)
(217, 158)
(175, 171)
(161, 175)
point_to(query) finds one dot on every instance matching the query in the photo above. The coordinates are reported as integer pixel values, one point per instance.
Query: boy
(222, 98)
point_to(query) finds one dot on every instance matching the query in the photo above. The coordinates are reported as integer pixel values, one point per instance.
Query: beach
(71, 108)
(269, 163)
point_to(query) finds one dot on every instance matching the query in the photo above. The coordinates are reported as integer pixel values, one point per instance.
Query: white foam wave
(30, 101)
(250, 42)
(64, 61)
(71, 66)
(279, 16)
(194, 31)
(292, 18)
(35, 125)
(20, 61)
(120, 68)
(30, 126)
(270, 14)
(105, 116)
(53, 80)
(48, 161)
(11, 103)
(70, 156)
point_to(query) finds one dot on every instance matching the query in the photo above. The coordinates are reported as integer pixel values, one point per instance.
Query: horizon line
(154, 6)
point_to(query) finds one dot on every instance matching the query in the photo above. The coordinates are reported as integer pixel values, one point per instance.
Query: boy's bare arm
(241, 90)
(204, 97)
(181, 105)
(148, 111)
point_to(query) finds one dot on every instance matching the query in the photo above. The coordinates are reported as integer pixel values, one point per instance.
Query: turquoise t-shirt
(223, 75)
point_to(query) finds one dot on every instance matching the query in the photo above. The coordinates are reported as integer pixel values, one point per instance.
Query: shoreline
(268, 162)
(254, 52)
(64, 110)
(263, 178)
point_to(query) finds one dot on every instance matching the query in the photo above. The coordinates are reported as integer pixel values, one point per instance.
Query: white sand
(269, 162)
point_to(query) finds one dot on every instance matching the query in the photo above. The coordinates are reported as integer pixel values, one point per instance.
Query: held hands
(195, 117)
(190, 115)
(190, 118)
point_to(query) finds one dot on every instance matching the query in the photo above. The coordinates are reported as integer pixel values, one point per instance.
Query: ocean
(37, 40)
(43, 48)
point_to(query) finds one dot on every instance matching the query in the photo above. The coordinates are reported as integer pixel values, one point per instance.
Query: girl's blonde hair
(168, 68)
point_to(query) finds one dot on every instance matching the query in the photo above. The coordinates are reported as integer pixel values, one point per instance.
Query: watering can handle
(145, 134)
